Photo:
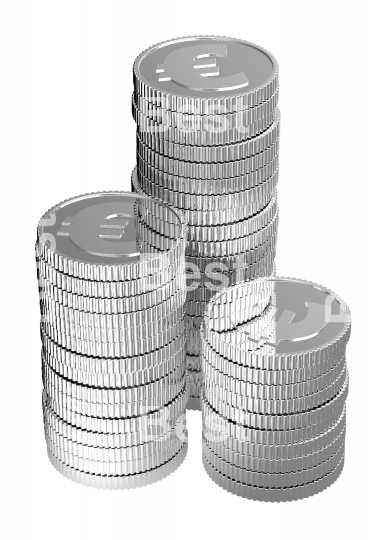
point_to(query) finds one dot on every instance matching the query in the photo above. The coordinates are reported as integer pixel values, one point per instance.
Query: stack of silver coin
(275, 383)
(111, 276)
(207, 143)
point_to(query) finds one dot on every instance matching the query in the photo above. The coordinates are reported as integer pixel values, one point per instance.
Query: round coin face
(108, 228)
(205, 67)
(278, 316)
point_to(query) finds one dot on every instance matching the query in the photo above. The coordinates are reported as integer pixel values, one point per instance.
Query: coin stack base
(272, 494)
(121, 482)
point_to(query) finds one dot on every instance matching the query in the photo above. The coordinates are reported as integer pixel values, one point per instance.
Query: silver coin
(161, 273)
(58, 401)
(114, 453)
(205, 171)
(215, 217)
(214, 186)
(279, 451)
(234, 246)
(272, 466)
(95, 236)
(103, 333)
(134, 454)
(239, 259)
(130, 430)
(117, 468)
(113, 349)
(264, 418)
(110, 306)
(222, 398)
(203, 122)
(112, 395)
(258, 195)
(271, 432)
(154, 434)
(323, 330)
(120, 320)
(216, 134)
(129, 365)
(213, 154)
(106, 377)
(268, 376)
(275, 392)
(274, 480)
(236, 230)
(222, 208)
(174, 74)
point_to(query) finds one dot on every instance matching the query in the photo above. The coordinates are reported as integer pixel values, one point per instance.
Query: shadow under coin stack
(207, 143)
(110, 267)
(275, 383)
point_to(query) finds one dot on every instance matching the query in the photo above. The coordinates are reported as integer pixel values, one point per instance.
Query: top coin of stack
(111, 274)
(207, 143)
(275, 383)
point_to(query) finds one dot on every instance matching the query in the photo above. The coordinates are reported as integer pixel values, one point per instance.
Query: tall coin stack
(207, 143)
(275, 385)
(110, 267)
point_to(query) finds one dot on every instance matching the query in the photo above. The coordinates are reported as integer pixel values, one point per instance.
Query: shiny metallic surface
(210, 137)
(108, 248)
(274, 387)
(111, 276)
(270, 494)
(162, 277)
(279, 451)
(208, 144)
(278, 474)
(213, 154)
(324, 328)
(113, 467)
(112, 348)
(135, 429)
(201, 122)
(168, 74)
(124, 481)
(166, 299)
(208, 171)
(283, 465)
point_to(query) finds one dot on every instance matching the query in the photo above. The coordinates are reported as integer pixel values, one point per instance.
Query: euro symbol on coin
(195, 67)
(291, 328)
(105, 230)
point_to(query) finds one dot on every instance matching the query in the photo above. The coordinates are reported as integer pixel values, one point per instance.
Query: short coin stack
(110, 267)
(207, 143)
(275, 383)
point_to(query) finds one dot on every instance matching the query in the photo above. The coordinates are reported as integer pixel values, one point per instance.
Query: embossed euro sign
(195, 67)
(104, 229)
(303, 313)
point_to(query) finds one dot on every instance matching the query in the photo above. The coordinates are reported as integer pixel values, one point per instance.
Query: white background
(66, 129)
